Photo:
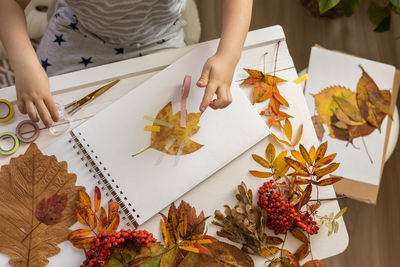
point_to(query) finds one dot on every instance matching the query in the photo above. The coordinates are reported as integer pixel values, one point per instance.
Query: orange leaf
(84, 199)
(299, 167)
(273, 240)
(280, 98)
(324, 171)
(299, 235)
(82, 215)
(92, 218)
(305, 197)
(274, 104)
(314, 263)
(113, 225)
(305, 155)
(261, 92)
(112, 210)
(97, 199)
(261, 174)
(329, 181)
(85, 242)
(324, 161)
(302, 251)
(270, 152)
(79, 233)
(261, 161)
(321, 151)
(254, 76)
(288, 130)
(102, 221)
(300, 181)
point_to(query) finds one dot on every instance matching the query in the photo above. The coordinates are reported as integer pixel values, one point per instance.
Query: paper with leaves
(37, 196)
(349, 99)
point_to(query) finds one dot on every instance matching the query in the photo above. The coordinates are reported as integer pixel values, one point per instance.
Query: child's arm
(31, 82)
(218, 71)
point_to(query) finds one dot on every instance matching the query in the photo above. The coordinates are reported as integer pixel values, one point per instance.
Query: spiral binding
(108, 188)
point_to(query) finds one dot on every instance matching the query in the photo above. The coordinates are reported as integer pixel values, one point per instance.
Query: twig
(328, 199)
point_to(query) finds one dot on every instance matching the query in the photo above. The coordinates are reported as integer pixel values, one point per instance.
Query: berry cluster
(100, 249)
(282, 215)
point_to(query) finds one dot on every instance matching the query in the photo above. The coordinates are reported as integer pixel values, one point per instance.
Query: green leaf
(340, 213)
(336, 228)
(380, 16)
(330, 227)
(325, 5)
(395, 3)
(350, 6)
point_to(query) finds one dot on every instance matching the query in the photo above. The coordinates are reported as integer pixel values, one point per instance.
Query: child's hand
(33, 93)
(217, 78)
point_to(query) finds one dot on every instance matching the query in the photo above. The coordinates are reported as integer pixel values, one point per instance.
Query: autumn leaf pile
(350, 114)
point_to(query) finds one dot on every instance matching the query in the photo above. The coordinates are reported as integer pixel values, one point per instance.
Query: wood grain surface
(373, 230)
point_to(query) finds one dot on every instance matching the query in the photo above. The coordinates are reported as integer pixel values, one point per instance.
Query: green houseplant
(379, 15)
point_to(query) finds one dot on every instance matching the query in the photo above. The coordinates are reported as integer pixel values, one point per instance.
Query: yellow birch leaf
(270, 152)
(288, 129)
(261, 161)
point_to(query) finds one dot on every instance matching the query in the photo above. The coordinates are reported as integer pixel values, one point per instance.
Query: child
(86, 33)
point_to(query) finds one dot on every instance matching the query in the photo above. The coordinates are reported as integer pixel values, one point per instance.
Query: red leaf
(202, 249)
(50, 211)
(97, 199)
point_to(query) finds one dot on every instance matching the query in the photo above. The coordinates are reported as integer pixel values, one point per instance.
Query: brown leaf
(25, 181)
(270, 152)
(261, 174)
(300, 168)
(305, 155)
(303, 251)
(273, 240)
(329, 181)
(195, 223)
(305, 197)
(328, 169)
(182, 223)
(112, 210)
(269, 251)
(318, 126)
(314, 263)
(300, 181)
(103, 222)
(299, 235)
(97, 199)
(288, 130)
(321, 151)
(50, 212)
(261, 161)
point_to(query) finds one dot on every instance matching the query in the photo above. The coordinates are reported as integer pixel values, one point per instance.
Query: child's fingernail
(202, 108)
(200, 82)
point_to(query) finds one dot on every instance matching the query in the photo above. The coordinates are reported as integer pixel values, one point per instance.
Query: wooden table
(220, 188)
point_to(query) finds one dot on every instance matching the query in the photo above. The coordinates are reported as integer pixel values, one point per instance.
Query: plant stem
(366, 149)
(328, 199)
(33, 229)
(134, 155)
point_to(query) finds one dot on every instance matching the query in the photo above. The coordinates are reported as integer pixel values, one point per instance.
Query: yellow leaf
(279, 160)
(113, 225)
(280, 140)
(102, 221)
(349, 109)
(281, 171)
(329, 181)
(165, 233)
(84, 200)
(297, 155)
(300, 134)
(299, 235)
(321, 151)
(300, 168)
(84, 242)
(270, 152)
(288, 130)
(305, 155)
(261, 161)
(324, 171)
(305, 197)
(312, 153)
(254, 76)
(261, 174)
(269, 251)
(172, 221)
(300, 181)
(302, 251)
(324, 161)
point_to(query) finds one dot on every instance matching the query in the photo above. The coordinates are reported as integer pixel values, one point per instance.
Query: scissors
(73, 107)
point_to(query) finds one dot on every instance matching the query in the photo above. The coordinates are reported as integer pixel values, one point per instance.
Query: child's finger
(222, 99)
(208, 96)
(31, 110)
(44, 115)
(21, 105)
(52, 108)
(203, 80)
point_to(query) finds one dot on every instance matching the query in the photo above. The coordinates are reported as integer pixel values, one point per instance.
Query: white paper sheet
(117, 132)
(328, 68)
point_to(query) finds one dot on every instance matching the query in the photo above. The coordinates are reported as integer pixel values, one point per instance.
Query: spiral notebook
(100, 150)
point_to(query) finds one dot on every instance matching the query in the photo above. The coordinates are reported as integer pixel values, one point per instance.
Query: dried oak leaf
(371, 100)
(159, 140)
(27, 180)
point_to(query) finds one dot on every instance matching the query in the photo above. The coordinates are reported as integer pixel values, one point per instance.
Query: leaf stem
(33, 229)
(328, 199)
(143, 150)
(366, 149)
